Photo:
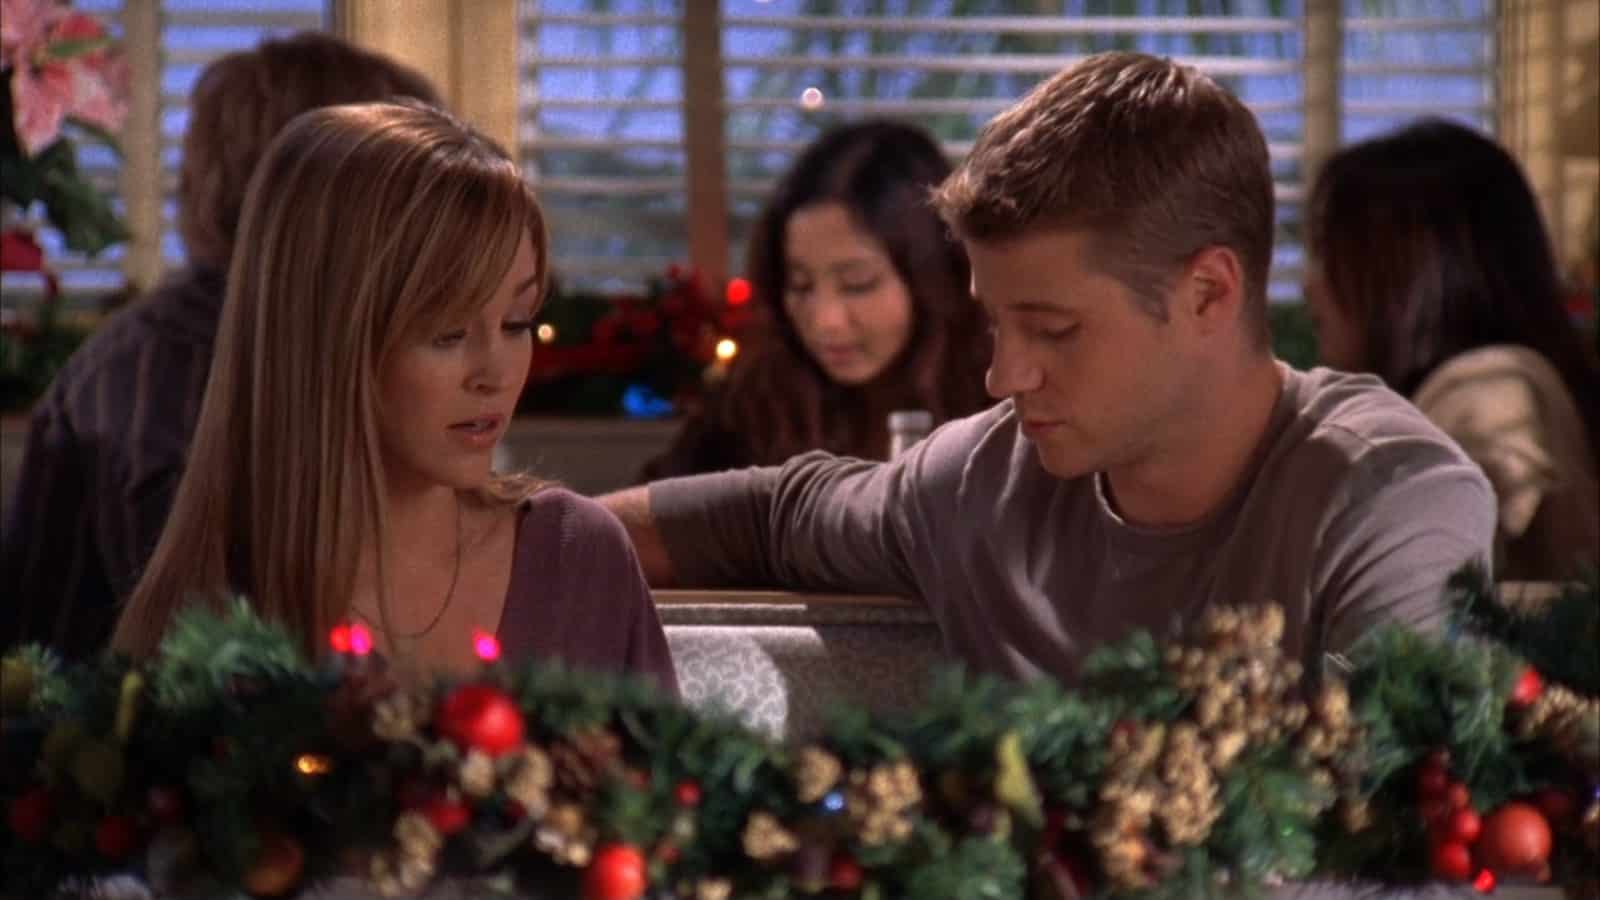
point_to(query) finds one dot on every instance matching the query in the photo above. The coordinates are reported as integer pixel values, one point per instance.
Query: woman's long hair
(366, 227)
(1431, 241)
(778, 398)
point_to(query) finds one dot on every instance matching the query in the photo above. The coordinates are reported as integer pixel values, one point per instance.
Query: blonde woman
(372, 346)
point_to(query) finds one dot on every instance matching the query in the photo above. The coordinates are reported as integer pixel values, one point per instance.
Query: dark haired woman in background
(863, 298)
(1430, 267)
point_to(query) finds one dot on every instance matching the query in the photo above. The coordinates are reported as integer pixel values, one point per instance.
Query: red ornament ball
(115, 837)
(845, 874)
(1461, 825)
(448, 815)
(616, 873)
(1452, 861)
(687, 793)
(1516, 838)
(1527, 689)
(479, 717)
(29, 816)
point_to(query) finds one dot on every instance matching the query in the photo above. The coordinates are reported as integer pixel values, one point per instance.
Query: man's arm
(818, 522)
(45, 534)
(1387, 557)
(632, 507)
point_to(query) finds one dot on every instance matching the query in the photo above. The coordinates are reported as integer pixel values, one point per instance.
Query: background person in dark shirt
(107, 441)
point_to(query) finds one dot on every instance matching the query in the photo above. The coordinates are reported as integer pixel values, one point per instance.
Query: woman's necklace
(450, 595)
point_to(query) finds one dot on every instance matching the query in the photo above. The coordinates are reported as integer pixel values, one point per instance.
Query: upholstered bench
(780, 661)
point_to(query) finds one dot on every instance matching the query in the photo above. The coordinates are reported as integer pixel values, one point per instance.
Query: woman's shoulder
(1506, 366)
(559, 517)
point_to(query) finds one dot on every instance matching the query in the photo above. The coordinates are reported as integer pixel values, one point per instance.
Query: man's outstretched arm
(632, 506)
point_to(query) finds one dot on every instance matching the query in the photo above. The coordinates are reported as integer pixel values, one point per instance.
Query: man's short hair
(1152, 159)
(241, 102)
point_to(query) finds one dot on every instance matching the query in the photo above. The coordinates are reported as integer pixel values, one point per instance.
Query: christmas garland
(1203, 768)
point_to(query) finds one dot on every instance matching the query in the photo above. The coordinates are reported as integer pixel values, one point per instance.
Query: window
(607, 89)
(188, 35)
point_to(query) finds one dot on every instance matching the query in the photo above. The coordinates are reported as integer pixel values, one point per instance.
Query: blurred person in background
(864, 297)
(107, 442)
(1431, 267)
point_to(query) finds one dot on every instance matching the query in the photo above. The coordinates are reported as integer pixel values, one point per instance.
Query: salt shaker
(906, 427)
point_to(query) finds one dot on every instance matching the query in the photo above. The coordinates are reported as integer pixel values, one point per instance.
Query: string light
(360, 639)
(727, 349)
(313, 764)
(546, 333)
(350, 637)
(738, 292)
(486, 646)
(811, 98)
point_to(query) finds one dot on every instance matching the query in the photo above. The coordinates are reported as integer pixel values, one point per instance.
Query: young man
(107, 441)
(1149, 456)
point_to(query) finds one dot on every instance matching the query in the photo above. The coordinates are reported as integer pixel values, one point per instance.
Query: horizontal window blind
(603, 93)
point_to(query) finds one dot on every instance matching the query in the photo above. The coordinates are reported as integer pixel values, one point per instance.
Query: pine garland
(1196, 769)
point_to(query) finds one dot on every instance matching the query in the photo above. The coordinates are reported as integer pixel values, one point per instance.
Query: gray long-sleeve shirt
(1354, 510)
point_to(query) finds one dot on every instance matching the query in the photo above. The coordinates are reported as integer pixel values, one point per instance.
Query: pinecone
(766, 839)
(416, 836)
(565, 835)
(528, 780)
(476, 774)
(584, 760)
(713, 889)
(398, 716)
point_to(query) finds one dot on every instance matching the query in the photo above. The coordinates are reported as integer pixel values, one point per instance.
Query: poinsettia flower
(24, 26)
(73, 27)
(100, 90)
(63, 66)
(40, 97)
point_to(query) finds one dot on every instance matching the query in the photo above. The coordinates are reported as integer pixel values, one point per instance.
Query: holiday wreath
(1208, 767)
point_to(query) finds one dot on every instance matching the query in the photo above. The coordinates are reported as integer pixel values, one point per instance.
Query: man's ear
(1211, 290)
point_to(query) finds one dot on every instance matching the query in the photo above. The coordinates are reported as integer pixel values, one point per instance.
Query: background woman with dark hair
(864, 309)
(1430, 267)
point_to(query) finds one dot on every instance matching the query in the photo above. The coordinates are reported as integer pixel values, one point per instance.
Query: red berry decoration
(1516, 839)
(1433, 782)
(1452, 861)
(447, 814)
(1461, 826)
(115, 837)
(1527, 689)
(479, 717)
(1458, 796)
(687, 793)
(29, 816)
(616, 873)
(845, 874)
